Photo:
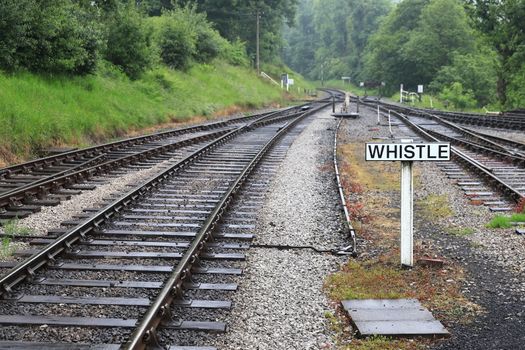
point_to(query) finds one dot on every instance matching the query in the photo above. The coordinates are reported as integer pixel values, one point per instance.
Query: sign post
(407, 152)
(407, 215)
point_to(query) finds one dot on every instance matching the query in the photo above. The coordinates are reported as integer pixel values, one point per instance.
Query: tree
(331, 35)
(16, 18)
(129, 41)
(475, 71)
(437, 38)
(235, 19)
(502, 21)
(413, 43)
(62, 37)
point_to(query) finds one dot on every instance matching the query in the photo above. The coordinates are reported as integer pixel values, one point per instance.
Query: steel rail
(40, 188)
(503, 155)
(348, 221)
(145, 333)
(101, 149)
(471, 163)
(28, 267)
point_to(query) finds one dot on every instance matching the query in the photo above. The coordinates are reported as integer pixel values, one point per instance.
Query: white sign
(290, 81)
(407, 151)
(420, 89)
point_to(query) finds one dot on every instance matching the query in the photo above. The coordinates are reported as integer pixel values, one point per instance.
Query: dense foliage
(73, 36)
(470, 52)
(330, 36)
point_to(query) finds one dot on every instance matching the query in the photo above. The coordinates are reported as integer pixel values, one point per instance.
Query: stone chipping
(280, 303)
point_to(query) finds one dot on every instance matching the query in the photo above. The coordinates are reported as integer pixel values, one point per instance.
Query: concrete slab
(402, 328)
(381, 304)
(393, 317)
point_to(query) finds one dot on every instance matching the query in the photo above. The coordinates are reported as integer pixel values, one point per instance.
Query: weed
(6, 246)
(460, 231)
(520, 217)
(382, 343)
(499, 221)
(358, 282)
(435, 207)
(13, 228)
(38, 112)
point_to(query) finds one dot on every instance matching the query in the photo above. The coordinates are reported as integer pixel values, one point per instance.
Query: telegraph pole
(258, 51)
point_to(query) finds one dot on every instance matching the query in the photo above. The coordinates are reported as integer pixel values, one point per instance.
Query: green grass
(502, 221)
(42, 111)
(435, 207)
(13, 227)
(460, 231)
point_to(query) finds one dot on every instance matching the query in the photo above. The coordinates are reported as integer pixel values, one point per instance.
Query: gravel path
(492, 259)
(280, 303)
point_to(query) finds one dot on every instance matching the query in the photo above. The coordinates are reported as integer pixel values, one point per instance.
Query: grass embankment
(37, 112)
(374, 188)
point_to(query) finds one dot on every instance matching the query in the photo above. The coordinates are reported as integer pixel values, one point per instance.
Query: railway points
(124, 270)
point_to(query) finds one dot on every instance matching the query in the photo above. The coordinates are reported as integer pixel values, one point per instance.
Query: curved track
(26, 187)
(496, 163)
(135, 273)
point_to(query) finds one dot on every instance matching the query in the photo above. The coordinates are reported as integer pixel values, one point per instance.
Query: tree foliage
(48, 36)
(129, 41)
(330, 36)
(72, 36)
(413, 44)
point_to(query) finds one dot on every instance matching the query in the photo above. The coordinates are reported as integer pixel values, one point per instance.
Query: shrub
(208, 43)
(16, 17)
(49, 36)
(459, 97)
(177, 40)
(499, 221)
(129, 42)
(235, 53)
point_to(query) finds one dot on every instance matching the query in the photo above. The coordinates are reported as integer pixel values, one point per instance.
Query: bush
(475, 71)
(459, 97)
(208, 43)
(16, 17)
(49, 36)
(235, 53)
(177, 40)
(129, 42)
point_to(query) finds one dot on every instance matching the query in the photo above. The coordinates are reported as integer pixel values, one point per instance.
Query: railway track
(510, 121)
(26, 187)
(154, 264)
(490, 170)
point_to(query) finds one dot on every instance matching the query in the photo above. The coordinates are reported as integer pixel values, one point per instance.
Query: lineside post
(407, 214)
(378, 120)
(333, 104)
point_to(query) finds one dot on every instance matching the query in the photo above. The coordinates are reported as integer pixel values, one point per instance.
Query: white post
(401, 93)
(378, 120)
(407, 218)
(431, 105)
(390, 124)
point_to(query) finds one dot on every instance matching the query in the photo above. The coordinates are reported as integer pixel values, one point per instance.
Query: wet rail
(143, 268)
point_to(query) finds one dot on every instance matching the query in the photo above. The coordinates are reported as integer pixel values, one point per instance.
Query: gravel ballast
(492, 259)
(280, 303)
